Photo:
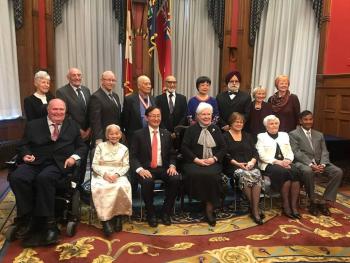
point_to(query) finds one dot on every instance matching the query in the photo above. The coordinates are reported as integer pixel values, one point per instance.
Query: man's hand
(111, 178)
(200, 162)
(28, 158)
(145, 173)
(209, 161)
(69, 162)
(85, 135)
(172, 171)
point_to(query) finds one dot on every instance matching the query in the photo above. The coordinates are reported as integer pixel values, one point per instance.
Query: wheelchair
(67, 201)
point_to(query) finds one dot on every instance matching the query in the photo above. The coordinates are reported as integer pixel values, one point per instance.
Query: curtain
(195, 49)
(87, 39)
(287, 43)
(10, 105)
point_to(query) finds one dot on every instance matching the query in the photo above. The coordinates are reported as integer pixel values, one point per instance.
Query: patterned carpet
(234, 239)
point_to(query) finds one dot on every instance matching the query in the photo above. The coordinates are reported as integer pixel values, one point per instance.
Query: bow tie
(232, 92)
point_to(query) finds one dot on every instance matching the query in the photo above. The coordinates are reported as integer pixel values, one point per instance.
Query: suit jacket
(267, 146)
(103, 111)
(74, 108)
(37, 141)
(34, 108)
(141, 149)
(191, 149)
(302, 149)
(240, 103)
(131, 117)
(170, 121)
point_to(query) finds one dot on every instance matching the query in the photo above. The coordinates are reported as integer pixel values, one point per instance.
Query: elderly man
(104, 107)
(172, 105)
(232, 100)
(152, 157)
(135, 106)
(51, 146)
(77, 99)
(312, 158)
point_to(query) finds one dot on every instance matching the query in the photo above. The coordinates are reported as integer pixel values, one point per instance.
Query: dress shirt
(76, 92)
(41, 97)
(307, 136)
(172, 98)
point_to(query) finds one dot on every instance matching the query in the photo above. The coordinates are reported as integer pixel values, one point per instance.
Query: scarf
(279, 102)
(207, 140)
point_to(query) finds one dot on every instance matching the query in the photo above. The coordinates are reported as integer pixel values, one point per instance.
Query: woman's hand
(283, 163)
(111, 178)
(201, 162)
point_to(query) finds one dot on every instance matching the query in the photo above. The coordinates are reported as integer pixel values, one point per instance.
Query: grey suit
(305, 154)
(74, 108)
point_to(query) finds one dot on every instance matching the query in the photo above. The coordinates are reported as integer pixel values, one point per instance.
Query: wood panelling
(332, 105)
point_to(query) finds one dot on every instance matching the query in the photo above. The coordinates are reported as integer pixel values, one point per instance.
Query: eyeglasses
(109, 80)
(154, 116)
(171, 82)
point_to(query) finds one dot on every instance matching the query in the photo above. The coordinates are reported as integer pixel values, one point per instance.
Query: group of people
(134, 144)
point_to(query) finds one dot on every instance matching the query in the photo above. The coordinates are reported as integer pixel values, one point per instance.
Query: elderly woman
(203, 86)
(276, 158)
(285, 105)
(203, 148)
(35, 106)
(110, 187)
(259, 109)
(242, 163)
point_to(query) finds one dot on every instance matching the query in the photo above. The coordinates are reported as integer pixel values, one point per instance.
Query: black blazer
(37, 141)
(170, 121)
(74, 108)
(131, 117)
(102, 112)
(191, 149)
(34, 108)
(240, 103)
(141, 149)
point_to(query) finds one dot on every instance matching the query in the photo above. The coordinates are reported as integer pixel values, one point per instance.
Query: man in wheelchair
(50, 148)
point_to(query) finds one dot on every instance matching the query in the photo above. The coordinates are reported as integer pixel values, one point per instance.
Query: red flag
(160, 35)
(128, 52)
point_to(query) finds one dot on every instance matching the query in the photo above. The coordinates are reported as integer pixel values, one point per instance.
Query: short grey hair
(269, 118)
(42, 75)
(203, 106)
(110, 127)
(258, 88)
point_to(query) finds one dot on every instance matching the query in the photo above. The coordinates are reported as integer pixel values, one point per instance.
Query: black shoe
(47, 237)
(107, 228)
(211, 219)
(313, 209)
(288, 213)
(118, 224)
(24, 227)
(166, 220)
(32, 241)
(152, 221)
(256, 220)
(324, 210)
(296, 215)
(262, 215)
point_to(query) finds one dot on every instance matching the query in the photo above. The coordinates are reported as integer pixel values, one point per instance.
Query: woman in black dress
(242, 163)
(203, 149)
(35, 106)
(275, 158)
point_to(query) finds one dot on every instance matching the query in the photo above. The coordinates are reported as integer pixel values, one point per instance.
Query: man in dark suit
(152, 157)
(51, 146)
(172, 105)
(311, 157)
(232, 100)
(77, 98)
(104, 107)
(134, 107)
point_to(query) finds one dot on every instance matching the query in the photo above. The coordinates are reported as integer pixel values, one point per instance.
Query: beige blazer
(267, 146)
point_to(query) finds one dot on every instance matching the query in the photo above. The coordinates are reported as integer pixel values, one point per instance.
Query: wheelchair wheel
(71, 228)
(10, 234)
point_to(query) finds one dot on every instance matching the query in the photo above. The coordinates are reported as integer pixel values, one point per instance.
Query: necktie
(81, 98)
(171, 103)
(308, 135)
(110, 95)
(55, 133)
(154, 160)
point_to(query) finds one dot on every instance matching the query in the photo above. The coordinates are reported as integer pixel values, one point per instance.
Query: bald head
(56, 110)
(74, 77)
(170, 83)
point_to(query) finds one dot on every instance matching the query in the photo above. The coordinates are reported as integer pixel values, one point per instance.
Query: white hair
(269, 118)
(258, 88)
(204, 106)
(41, 75)
(110, 127)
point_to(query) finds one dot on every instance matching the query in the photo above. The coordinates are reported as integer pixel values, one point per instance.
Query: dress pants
(34, 187)
(334, 174)
(171, 189)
